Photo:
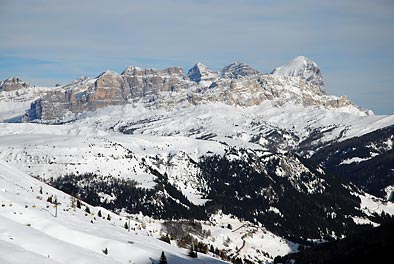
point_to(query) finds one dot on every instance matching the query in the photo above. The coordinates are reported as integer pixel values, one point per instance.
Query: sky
(45, 42)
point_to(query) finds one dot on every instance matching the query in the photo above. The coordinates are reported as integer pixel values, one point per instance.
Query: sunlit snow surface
(30, 232)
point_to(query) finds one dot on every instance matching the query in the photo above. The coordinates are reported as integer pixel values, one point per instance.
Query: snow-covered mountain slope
(302, 67)
(283, 128)
(29, 230)
(13, 103)
(367, 160)
(174, 171)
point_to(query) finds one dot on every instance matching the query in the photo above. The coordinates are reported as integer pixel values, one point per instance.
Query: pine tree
(163, 259)
(192, 253)
(212, 249)
(87, 209)
(108, 217)
(126, 226)
(99, 213)
(79, 204)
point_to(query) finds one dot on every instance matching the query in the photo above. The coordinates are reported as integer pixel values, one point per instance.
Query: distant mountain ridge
(238, 84)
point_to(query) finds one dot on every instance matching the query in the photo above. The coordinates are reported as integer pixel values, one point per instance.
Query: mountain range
(272, 152)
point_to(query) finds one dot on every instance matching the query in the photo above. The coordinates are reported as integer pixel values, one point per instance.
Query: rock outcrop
(12, 84)
(237, 70)
(201, 73)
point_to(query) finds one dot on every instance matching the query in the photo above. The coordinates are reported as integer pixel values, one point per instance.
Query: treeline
(114, 194)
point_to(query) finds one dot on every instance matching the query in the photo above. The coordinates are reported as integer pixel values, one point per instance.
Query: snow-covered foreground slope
(29, 231)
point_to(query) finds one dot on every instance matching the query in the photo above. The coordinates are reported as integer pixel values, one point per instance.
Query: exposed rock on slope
(238, 70)
(12, 84)
(200, 72)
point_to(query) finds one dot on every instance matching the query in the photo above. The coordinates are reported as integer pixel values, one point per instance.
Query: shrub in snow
(165, 238)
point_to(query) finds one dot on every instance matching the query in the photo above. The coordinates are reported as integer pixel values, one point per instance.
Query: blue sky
(45, 42)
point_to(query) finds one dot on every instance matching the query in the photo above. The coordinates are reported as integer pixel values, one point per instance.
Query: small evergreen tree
(192, 253)
(212, 249)
(163, 258)
(78, 204)
(105, 251)
(87, 209)
(108, 217)
(126, 226)
(99, 213)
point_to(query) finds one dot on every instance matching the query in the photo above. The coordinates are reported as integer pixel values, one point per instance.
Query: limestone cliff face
(109, 88)
(238, 84)
(149, 83)
(12, 84)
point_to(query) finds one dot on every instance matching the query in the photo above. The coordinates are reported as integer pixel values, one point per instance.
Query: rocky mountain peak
(199, 72)
(237, 70)
(132, 70)
(12, 84)
(137, 71)
(304, 68)
(108, 73)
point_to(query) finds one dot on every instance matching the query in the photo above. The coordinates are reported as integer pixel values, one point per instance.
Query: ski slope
(30, 231)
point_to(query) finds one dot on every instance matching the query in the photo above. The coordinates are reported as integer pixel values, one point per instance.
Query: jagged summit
(131, 70)
(237, 70)
(199, 72)
(12, 84)
(108, 72)
(303, 67)
(138, 71)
